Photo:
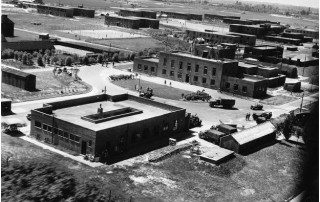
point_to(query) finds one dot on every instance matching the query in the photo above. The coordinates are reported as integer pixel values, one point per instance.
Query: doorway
(84, 147)
(187, 78)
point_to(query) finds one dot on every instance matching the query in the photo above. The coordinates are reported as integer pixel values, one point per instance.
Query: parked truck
(225, 103)
(212, 135)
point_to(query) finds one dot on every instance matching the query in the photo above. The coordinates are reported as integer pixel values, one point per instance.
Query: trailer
(225, 103)
(212, 135)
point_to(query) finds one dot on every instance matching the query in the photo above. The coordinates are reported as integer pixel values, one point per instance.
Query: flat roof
(73, 114)
(254, 132)
(252, 79)
(265, 47)
(246, 65)
(152, 59)
(217, 154)
(201, 58)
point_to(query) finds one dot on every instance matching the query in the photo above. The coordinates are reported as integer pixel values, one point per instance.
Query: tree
(86, 60)
(16, 55)
(68, 61)
(132, 56)
(35, 54)
(91, 60)
(24, 58)
(149, 53)
(100, 59)
(286, 127)
(47, 52)
(53, 59)
(39, 61)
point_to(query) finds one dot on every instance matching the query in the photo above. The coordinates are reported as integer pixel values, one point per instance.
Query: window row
(236, 87)
(146, 68)
(58, 132)
(197, 67)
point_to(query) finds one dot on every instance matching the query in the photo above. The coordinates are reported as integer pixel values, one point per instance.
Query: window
(165, 127)
(172, 63)
(171, 73)
(61, 133)
(139, 67)
(227, 85)
(66, 135)
(212, 82)
(37, 124)
(204, 80)
(76, 138)
(49, 128)
(44, 127)
(165, 62)
(71, 137)
(195, 79)
(205, 70)
(180, 65)
(55, 130)
(214, 71)
(164, 71)
(90, 143)
(244, 89)
(235, 87)
(189, 66)
(175, 126)
(197, 68)
(146, 68)
(152, 69)
(180, 75)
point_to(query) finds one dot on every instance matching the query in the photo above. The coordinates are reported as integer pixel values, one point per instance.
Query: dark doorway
(187, 78)
(84, 147)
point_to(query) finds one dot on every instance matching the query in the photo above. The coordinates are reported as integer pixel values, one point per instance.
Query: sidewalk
(76, 158)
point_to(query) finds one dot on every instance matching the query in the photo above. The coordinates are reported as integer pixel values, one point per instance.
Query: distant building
(219, 17)
(131, 22)
(7, 26)
(110, 127)
(65, 11)
(260, 30)
(28, 46)
(182, 15)
(306, 32)
(18, 79)
(247, 22)
(216, 52)
(137, 13)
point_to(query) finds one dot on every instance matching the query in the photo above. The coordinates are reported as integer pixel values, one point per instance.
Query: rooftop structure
(131, 22)
(217, 155)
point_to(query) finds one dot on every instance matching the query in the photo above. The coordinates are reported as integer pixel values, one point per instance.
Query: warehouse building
(55, 10)
(246, 39)
(251, 139)
(28, 46)
(210, 73)
(219, 17)
(213, 37)
(260, 30)
(131, 22)
(110, 127)
(18, 79)
(183, 16)
(306, 32)
(137, 13)
(7, 26)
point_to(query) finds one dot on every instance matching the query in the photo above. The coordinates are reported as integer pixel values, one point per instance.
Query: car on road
(256, 106)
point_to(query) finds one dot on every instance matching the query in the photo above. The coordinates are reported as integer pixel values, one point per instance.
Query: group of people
(248, 116)
(165, 83)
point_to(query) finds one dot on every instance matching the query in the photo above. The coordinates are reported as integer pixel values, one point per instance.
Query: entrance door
(84, 147)
(187, 78)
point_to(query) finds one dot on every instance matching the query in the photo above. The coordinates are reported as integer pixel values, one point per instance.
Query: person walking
(249, 116)
(170, 84)
(165, 82)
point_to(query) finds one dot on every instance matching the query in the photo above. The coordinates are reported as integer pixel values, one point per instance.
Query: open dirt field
(103, 34)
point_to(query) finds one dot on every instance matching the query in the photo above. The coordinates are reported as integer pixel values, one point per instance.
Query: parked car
(256, 106)
(29, 117)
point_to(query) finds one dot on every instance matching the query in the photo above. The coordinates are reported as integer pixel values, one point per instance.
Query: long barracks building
(110, 127)
(137, 13)
(219, 17)
(65, 11)
(131, 22)
(183, 16)
(225, 75)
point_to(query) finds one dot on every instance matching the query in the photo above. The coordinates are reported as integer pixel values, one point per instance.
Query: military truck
(194, 121)
(261, 117)
(199, 95)
(225, 103)
(227, 129)
(212, 135)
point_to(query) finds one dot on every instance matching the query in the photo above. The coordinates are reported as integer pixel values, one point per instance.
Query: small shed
(217, 155)
(19, 79)
(5, 106)
(292, 85)
(249, 139)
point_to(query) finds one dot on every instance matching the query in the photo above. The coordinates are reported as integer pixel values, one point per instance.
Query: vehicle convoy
(199, 95)
(261, 117)
(256, 106)
(225, 103)
(212, 135)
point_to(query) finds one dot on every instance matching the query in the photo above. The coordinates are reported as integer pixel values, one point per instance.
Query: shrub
(132, 56)
(141, 53)
(24, 59)
(35, 54)
(53, 59)
(16, 55)
(92, 60)
(47, 52)
(68, 61)
(39, 61)
(85, 60)
(61, 62)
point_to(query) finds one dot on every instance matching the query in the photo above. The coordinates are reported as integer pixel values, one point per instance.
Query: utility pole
(105, 90)
(301, 102)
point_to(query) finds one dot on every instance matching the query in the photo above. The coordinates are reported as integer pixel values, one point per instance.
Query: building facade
(83, 12)
(109, 127)
(19, 79)
(183, 16)
(306, 32)
(55, 10)
(219, 17)
(137, 13)
(131, 22)
(7, 26)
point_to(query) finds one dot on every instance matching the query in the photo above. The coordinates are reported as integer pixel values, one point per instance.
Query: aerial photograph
(159, 100)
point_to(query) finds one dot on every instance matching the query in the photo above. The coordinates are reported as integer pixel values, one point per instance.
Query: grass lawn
(135, 44)
(278, 100)
(47, 86)
(161, 91)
